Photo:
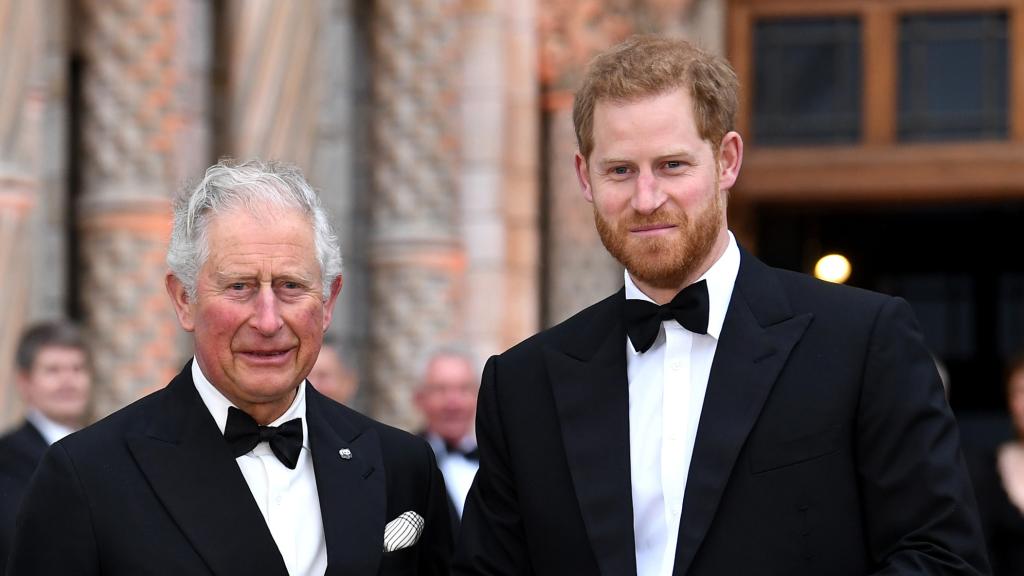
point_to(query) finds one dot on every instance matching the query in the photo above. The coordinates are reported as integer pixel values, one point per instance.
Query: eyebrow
(223, 276)
(681, 154)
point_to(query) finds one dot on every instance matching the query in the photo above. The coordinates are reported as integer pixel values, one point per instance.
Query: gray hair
(450, 350)
(250, 185)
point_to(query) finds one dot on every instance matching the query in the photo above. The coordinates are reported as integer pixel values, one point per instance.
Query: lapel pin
(345, 454)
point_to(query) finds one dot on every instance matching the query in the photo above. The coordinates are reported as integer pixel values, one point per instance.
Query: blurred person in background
(238, 466)
(331, 376)
(999, 483)
(54, 380)
(446, 397)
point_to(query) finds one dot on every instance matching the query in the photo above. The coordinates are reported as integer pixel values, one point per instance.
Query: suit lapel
(757, 337)
(194, 475)
(588, 379)
(353, 499)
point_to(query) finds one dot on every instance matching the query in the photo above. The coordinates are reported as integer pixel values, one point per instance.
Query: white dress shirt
(666, 393)
(51, 431)
(287, 498)
(458, 471)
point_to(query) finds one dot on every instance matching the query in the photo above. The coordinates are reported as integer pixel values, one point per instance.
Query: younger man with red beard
(715, 416)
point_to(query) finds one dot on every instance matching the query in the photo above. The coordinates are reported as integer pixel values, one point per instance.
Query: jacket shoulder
(593, 321)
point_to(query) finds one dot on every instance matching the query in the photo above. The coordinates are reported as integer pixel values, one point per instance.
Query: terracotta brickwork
(128, 148)
(415, 252)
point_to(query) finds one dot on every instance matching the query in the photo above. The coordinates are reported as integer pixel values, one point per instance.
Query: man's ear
(583, 177)
(331, 299)
(730, 159)
(179, 298)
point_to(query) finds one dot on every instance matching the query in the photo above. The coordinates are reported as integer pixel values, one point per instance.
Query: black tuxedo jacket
(153, 489)
(825, 446)
(20, 453)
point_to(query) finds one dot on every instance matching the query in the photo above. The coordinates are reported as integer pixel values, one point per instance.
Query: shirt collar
(721, 278)
(218, 404)
(50, 431)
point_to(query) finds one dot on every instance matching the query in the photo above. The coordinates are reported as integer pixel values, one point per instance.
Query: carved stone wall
(416, 258)
(20, 108)
(129, 149)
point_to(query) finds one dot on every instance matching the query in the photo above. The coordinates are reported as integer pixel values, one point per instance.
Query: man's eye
(620, 170)
(237, 286)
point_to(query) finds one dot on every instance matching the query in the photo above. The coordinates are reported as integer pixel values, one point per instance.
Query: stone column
(273, 79)
(500, 174)
(20, 110)
(416, 259)
(579, 271)
(131, 117)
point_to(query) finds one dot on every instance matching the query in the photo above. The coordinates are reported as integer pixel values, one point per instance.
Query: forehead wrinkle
(291, 269)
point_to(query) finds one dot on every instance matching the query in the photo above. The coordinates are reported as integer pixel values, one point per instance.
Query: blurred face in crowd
(259, 314)
(447, 397)
(58, 385)
(658, 189)
(1015, 399)
(331, 377)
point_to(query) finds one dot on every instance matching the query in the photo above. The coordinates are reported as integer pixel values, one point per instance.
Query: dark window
(807, 86)
(953, 77)
(1011, 315)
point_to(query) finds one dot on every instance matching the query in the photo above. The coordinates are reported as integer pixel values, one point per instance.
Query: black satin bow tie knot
(453, 449)
(689, 308)
(243, 434)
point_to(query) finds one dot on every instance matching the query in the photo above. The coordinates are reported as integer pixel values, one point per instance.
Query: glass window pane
(953, 77)
(807, 86)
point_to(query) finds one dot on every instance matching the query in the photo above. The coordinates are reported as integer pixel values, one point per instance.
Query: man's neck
(664, 295)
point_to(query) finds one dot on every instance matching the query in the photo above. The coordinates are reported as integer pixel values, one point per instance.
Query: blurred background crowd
(886, 135)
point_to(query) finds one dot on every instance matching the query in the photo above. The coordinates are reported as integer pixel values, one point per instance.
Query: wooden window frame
(879, 168)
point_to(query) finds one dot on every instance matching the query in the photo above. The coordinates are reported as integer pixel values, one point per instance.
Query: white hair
(457, 350)
(252, 186)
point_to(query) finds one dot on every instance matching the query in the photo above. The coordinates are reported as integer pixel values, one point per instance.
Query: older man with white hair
(238, 466)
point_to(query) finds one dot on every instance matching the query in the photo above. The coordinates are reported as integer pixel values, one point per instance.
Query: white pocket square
(403, 531)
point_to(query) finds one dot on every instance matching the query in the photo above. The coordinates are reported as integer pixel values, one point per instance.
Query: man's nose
(267, 316)
(647, 197)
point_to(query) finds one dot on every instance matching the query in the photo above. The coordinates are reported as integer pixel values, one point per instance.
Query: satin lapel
(757, 337)
(588, 379)
(353, 498)
(188, 465)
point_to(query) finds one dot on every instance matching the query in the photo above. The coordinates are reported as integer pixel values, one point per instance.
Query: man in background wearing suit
(446, 398)
(715, 416)
(238, 467)
(54, 381)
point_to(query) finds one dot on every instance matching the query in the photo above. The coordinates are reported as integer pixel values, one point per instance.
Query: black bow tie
(689, 308)
(452, 449)
(243, 434)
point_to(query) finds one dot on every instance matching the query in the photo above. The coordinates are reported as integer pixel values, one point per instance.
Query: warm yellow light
(833, 268)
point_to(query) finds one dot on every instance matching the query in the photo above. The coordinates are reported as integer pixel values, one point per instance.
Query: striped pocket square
(403, 531)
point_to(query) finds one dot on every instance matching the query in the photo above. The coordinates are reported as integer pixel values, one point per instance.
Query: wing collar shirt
(666, 393)
(458, 469)
(50, 431)
(287, 498)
